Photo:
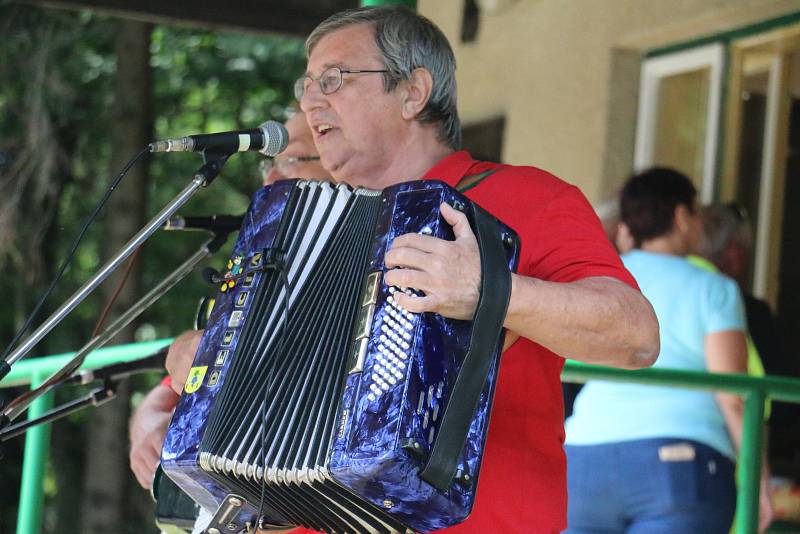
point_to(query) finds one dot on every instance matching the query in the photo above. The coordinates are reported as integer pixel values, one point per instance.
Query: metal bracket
(224, 521)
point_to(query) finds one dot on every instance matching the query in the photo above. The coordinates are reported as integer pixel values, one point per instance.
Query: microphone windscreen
(276, 138)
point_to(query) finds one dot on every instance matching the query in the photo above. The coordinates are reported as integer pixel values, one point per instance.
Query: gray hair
(721, 226)
(408, 41)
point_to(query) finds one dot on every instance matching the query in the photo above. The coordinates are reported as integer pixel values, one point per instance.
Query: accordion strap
(486, 329)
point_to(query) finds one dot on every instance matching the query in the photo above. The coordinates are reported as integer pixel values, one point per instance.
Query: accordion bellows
(312, 387)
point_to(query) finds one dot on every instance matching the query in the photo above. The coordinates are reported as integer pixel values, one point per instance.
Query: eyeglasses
(282, 163)
(330, 80)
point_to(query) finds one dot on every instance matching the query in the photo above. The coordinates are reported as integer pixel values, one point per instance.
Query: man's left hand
(448, 273)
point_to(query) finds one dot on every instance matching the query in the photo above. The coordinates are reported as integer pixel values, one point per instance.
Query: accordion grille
(273, 421)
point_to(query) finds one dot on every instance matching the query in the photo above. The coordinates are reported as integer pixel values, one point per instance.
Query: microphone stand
(112, 375)
(21, 403)
(202, 178)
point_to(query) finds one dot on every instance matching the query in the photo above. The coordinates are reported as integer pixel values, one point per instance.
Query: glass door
(760, 165)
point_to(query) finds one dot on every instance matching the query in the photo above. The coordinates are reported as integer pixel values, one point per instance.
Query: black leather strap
(487, 327)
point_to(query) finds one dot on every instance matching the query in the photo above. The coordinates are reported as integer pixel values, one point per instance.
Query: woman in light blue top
(658, 460)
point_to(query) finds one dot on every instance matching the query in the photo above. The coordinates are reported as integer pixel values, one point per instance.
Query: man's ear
(416, 93)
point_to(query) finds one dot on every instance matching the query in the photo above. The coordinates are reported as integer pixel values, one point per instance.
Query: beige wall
(565, 73)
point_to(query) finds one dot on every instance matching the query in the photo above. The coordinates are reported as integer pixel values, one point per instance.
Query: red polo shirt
(522, 484)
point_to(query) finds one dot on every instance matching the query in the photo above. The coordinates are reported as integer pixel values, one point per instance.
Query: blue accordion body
(391, 384)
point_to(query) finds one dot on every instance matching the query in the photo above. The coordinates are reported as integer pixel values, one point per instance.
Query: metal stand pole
(16, 407)
(202, 178)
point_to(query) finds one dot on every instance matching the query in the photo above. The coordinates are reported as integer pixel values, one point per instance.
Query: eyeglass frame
(267, 164)
(300, 87)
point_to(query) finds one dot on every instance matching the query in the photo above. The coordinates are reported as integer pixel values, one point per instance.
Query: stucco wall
(565, 73)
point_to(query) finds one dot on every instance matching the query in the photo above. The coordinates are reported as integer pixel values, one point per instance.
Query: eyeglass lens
(329, 82)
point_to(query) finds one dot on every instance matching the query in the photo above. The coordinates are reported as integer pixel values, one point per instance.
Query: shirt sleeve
(724, 307)
(567, 242)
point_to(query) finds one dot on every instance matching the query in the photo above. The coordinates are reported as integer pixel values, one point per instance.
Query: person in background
(299, 159)
(724, 245)
(660, 460)
(728, 245)
(148, 425)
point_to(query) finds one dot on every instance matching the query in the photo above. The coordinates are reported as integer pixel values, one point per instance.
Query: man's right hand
(180, 357)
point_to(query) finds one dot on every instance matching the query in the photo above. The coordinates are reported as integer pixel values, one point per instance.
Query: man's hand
(447, 272)
(147, 429)
(180, 357)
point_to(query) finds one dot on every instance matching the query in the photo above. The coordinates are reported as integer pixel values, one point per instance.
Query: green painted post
(408, 3)
(749, 469)
(37, 444)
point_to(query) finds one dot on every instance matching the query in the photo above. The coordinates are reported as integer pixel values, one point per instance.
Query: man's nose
(312, 97)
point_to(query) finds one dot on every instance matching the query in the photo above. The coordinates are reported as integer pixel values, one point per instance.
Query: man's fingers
(416, 304)
(425, 243)
(144, 462)
(418, 280)
(406, 257)
(459, 222)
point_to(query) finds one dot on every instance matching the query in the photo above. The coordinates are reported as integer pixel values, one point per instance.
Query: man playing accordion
(379, 95)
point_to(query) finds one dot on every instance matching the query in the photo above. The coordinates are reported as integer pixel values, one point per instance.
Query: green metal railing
(34, 371)
(408, 3)
(754, 391)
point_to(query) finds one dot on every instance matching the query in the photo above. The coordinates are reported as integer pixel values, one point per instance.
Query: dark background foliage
(56, 96)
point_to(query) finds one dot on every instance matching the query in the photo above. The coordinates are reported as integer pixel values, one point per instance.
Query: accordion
(314, 399)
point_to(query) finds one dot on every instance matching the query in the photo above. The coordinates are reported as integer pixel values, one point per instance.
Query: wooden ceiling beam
(296, 18)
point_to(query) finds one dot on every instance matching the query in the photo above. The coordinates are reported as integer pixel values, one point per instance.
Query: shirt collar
(451, 168)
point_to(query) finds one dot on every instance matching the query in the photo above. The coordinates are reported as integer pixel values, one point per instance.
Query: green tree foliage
(56, 70)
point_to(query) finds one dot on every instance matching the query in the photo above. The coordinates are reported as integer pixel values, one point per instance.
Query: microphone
(270, 139)
(216, 224)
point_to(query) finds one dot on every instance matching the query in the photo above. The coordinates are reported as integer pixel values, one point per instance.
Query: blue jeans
(650, 486)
